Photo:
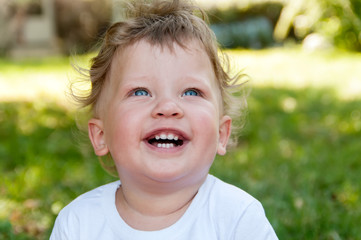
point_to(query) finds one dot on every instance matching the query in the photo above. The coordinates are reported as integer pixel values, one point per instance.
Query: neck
(153, 210)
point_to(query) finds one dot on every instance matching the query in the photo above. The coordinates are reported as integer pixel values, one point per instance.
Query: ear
(224, 133)
(97, 138)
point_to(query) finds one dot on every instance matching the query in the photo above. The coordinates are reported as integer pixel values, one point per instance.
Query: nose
(167, 108)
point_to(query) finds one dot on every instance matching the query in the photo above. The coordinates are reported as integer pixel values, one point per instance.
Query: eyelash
(133, 92)
(199, 93)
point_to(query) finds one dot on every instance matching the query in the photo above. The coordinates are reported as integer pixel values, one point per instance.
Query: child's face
(161, 118)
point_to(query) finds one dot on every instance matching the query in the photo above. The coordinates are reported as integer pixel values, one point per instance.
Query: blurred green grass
(298, 154)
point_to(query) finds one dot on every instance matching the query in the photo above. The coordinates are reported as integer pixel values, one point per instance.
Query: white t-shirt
(218, 211)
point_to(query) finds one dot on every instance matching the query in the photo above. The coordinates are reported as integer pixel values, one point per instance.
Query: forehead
(143, 55)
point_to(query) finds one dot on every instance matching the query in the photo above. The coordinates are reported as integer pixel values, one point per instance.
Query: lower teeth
(165, 145)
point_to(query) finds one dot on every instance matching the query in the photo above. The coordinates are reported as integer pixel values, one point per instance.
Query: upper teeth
(164, 136)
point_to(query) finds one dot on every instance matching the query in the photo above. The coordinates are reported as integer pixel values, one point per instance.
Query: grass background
(299, 153)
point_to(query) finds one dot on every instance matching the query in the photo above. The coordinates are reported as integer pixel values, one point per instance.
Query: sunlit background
(299, 153)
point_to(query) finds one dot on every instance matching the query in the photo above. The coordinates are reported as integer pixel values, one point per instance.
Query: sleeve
(66, 227)
(254, 225)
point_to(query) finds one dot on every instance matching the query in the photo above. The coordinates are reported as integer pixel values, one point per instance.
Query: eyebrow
(199, 79)
(196, 79)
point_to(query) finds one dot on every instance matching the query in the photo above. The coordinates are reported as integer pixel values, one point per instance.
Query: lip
(182, 135)
(168, 130)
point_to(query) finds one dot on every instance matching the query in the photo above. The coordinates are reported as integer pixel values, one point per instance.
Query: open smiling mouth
(165, 141)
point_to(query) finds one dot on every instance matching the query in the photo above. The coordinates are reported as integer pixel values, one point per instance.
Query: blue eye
(191, 92)
(140, 92)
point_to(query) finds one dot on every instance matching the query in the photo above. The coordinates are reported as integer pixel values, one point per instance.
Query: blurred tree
(5, 31)
(255, 33)
(337, 20)
(247, 25)
(79, 23)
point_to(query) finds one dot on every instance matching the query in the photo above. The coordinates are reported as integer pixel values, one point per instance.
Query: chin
(166, 176)
(179, 177)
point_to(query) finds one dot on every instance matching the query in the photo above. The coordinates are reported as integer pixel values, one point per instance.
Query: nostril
(167, 109)
(173, 114)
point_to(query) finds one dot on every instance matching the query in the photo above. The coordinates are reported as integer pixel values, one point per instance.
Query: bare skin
(150, 212)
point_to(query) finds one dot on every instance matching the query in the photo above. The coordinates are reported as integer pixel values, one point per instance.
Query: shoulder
(236, 213)
(85, 210)
(92, 199)
(229, 200)
(225, 194)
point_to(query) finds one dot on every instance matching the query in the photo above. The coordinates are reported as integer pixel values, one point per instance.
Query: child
(160, 100)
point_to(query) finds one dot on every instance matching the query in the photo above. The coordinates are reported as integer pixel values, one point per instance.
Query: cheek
(120, 128)
(207, 126)
(207, 116)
